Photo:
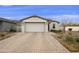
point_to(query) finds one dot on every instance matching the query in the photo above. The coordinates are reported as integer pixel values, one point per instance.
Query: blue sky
(55, 12)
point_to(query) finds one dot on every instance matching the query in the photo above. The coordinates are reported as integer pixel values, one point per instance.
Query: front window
(54, 26)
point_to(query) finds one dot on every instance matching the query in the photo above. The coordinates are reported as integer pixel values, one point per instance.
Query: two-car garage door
(34, 27)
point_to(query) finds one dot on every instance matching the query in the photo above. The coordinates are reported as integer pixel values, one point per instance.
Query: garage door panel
(35, 27)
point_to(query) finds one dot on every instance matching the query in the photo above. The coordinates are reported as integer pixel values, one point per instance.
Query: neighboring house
(38, 24)
(7, 25)
(72, 28)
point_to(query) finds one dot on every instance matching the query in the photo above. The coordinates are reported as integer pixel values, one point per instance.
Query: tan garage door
(35, 27)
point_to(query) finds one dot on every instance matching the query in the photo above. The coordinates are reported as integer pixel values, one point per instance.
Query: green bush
(69, 38)
(11, 30)
(77, 39)
(56, 31)
(2, 35)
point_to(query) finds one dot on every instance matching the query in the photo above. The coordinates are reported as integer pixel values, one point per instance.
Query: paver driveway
(31, 42)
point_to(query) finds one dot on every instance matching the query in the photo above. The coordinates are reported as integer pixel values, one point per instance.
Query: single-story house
(38, 24)
(72, 28)
(7, 25)
(34, 24)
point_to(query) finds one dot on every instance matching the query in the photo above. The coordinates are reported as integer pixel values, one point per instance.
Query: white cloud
(65, 18)
(6, 5)
(13, 18)
(60, 18)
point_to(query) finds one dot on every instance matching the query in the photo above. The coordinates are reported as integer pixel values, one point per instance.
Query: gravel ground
(31, 43)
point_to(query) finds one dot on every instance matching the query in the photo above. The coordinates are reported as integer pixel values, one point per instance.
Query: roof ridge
(40, 17)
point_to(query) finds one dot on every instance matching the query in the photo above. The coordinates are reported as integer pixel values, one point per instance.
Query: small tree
(64, 24)
(65, 21)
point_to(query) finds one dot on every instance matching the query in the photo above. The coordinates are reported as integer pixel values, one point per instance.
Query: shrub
(11, 30)
(72, 39)
(69, 38)
(59, 36)
(70, 29)
(2, 35)
(56, 31)
(77, 39)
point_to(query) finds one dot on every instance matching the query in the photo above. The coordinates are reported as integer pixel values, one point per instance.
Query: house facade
(72, 28)
(38, 24)
(7, 25)
(54, 25)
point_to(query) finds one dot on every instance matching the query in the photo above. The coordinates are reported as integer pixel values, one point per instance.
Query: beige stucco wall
(57, 26)
(33, 19)
(18, 29)
(74, 28)
(23, 27)
(46, 27)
